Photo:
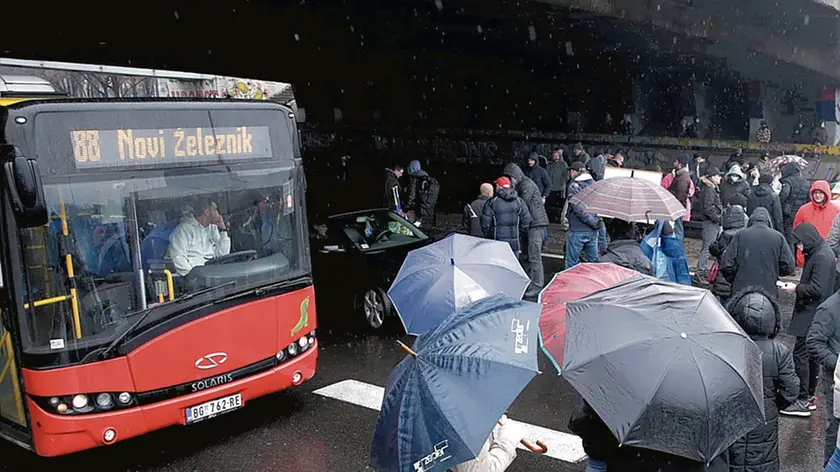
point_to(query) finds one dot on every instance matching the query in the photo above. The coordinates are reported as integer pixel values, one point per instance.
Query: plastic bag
(666, 255)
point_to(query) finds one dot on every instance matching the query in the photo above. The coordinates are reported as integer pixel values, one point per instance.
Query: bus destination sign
(131, 147)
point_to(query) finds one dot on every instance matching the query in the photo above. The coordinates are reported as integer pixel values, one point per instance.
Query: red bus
(154, 266)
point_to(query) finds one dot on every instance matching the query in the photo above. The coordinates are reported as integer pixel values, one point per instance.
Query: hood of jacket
(707, 182)
(734, 217)
(760, 216)
(418, 173)
(807, 234)
(513, 171)
(790, 169)
(756, 312)
(735, 171)
(823, 187)
(413, 166)
(763, 190)
(583, 177)
(507, 194)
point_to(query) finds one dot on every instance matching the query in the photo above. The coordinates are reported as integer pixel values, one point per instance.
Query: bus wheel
(377, 307)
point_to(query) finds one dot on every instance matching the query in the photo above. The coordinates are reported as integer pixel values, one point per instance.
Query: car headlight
(124, 398)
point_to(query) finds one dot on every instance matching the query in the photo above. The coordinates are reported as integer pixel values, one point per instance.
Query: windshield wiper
(101, 354)
(260, 291)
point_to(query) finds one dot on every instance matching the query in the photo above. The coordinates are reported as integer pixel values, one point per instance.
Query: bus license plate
(214, 407)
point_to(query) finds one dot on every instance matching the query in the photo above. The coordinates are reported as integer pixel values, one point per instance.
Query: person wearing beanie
(764, 196)
(580, 154)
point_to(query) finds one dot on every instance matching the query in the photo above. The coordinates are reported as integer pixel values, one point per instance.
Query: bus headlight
(104, 401)
(293, 349)
(124, 398)
(80, 401)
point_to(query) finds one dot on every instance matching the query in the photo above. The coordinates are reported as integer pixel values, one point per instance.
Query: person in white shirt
(199, 237)
(498, 451)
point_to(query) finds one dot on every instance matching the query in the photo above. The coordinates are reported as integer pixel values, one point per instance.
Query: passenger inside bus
(200, 236)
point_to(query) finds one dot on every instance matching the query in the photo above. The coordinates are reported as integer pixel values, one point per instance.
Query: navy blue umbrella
(443, 400)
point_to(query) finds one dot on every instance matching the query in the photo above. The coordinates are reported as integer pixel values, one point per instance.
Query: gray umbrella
(665, 367)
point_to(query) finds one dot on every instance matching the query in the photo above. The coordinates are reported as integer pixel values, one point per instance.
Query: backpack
(429, 191)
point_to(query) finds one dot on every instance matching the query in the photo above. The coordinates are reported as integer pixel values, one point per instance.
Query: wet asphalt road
(301, 431)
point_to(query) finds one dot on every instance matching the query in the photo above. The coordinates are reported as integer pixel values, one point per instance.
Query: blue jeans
(679, 229)
(602, 238)
(594, 465)
(833, 463)
(581, 241)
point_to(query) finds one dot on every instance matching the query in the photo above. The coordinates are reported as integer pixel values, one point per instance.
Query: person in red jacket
(820, 212)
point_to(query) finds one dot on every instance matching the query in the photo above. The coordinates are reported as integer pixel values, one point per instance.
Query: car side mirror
(26, 192)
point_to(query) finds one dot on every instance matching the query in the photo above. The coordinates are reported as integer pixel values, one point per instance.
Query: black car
(356, 256)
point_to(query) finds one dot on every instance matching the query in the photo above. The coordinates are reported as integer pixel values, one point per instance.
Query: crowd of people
(758, 223)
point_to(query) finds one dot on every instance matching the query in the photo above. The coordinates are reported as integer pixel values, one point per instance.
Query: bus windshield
(145, 235)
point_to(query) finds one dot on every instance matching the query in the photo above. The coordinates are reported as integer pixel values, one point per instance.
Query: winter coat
(505, 217)
(529, 193)
(763, 134)
(764, 196)
(732, 222)
(596, 167)
(833, 239)
(540, 177)
(821, 216)
(824, 335)
(558, 172)
(681, 186)
(795, 192)
(496, 454)
(599, 442)
(578, 220)
(627, 253)
(471, 222)
(391, 198)
(666, 183)
(415, 197)
(819, 135)
(757, 255)
(734, 182)
(817, 282)
(758, 315)
(583, 158)
(708, 206)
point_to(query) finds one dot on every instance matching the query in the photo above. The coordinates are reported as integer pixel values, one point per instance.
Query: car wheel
(376, 306)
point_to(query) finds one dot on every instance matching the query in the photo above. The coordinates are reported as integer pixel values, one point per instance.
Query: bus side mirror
(26, 192)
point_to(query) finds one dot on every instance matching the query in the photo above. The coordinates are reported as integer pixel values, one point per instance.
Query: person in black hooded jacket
(505, 216)
(624, 249)
(764, 196)
(529, 192)
(815, 286)
(758, 315)
(757, 255)
(733, 221)
(796, 191)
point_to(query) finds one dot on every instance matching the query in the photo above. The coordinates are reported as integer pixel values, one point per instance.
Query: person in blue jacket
(505, 217)
(583, 227)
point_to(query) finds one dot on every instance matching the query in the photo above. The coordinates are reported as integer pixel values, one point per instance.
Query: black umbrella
(665, 367)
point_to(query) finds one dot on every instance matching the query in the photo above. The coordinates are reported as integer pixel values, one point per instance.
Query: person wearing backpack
(471, 222)
(421, 195)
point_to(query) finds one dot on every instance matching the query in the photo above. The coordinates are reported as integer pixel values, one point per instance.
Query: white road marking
(562, 446)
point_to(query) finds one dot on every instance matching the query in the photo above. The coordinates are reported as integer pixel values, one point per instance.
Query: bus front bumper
(55, 435)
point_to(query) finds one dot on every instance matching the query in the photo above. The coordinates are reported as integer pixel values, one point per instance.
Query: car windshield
(376, 230)
(136, 239)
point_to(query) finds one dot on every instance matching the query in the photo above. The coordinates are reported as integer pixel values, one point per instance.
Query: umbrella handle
(540, 448)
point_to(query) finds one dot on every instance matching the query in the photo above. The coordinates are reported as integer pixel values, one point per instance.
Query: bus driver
(199, 237)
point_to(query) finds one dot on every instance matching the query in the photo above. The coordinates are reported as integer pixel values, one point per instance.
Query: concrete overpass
(453, 63)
